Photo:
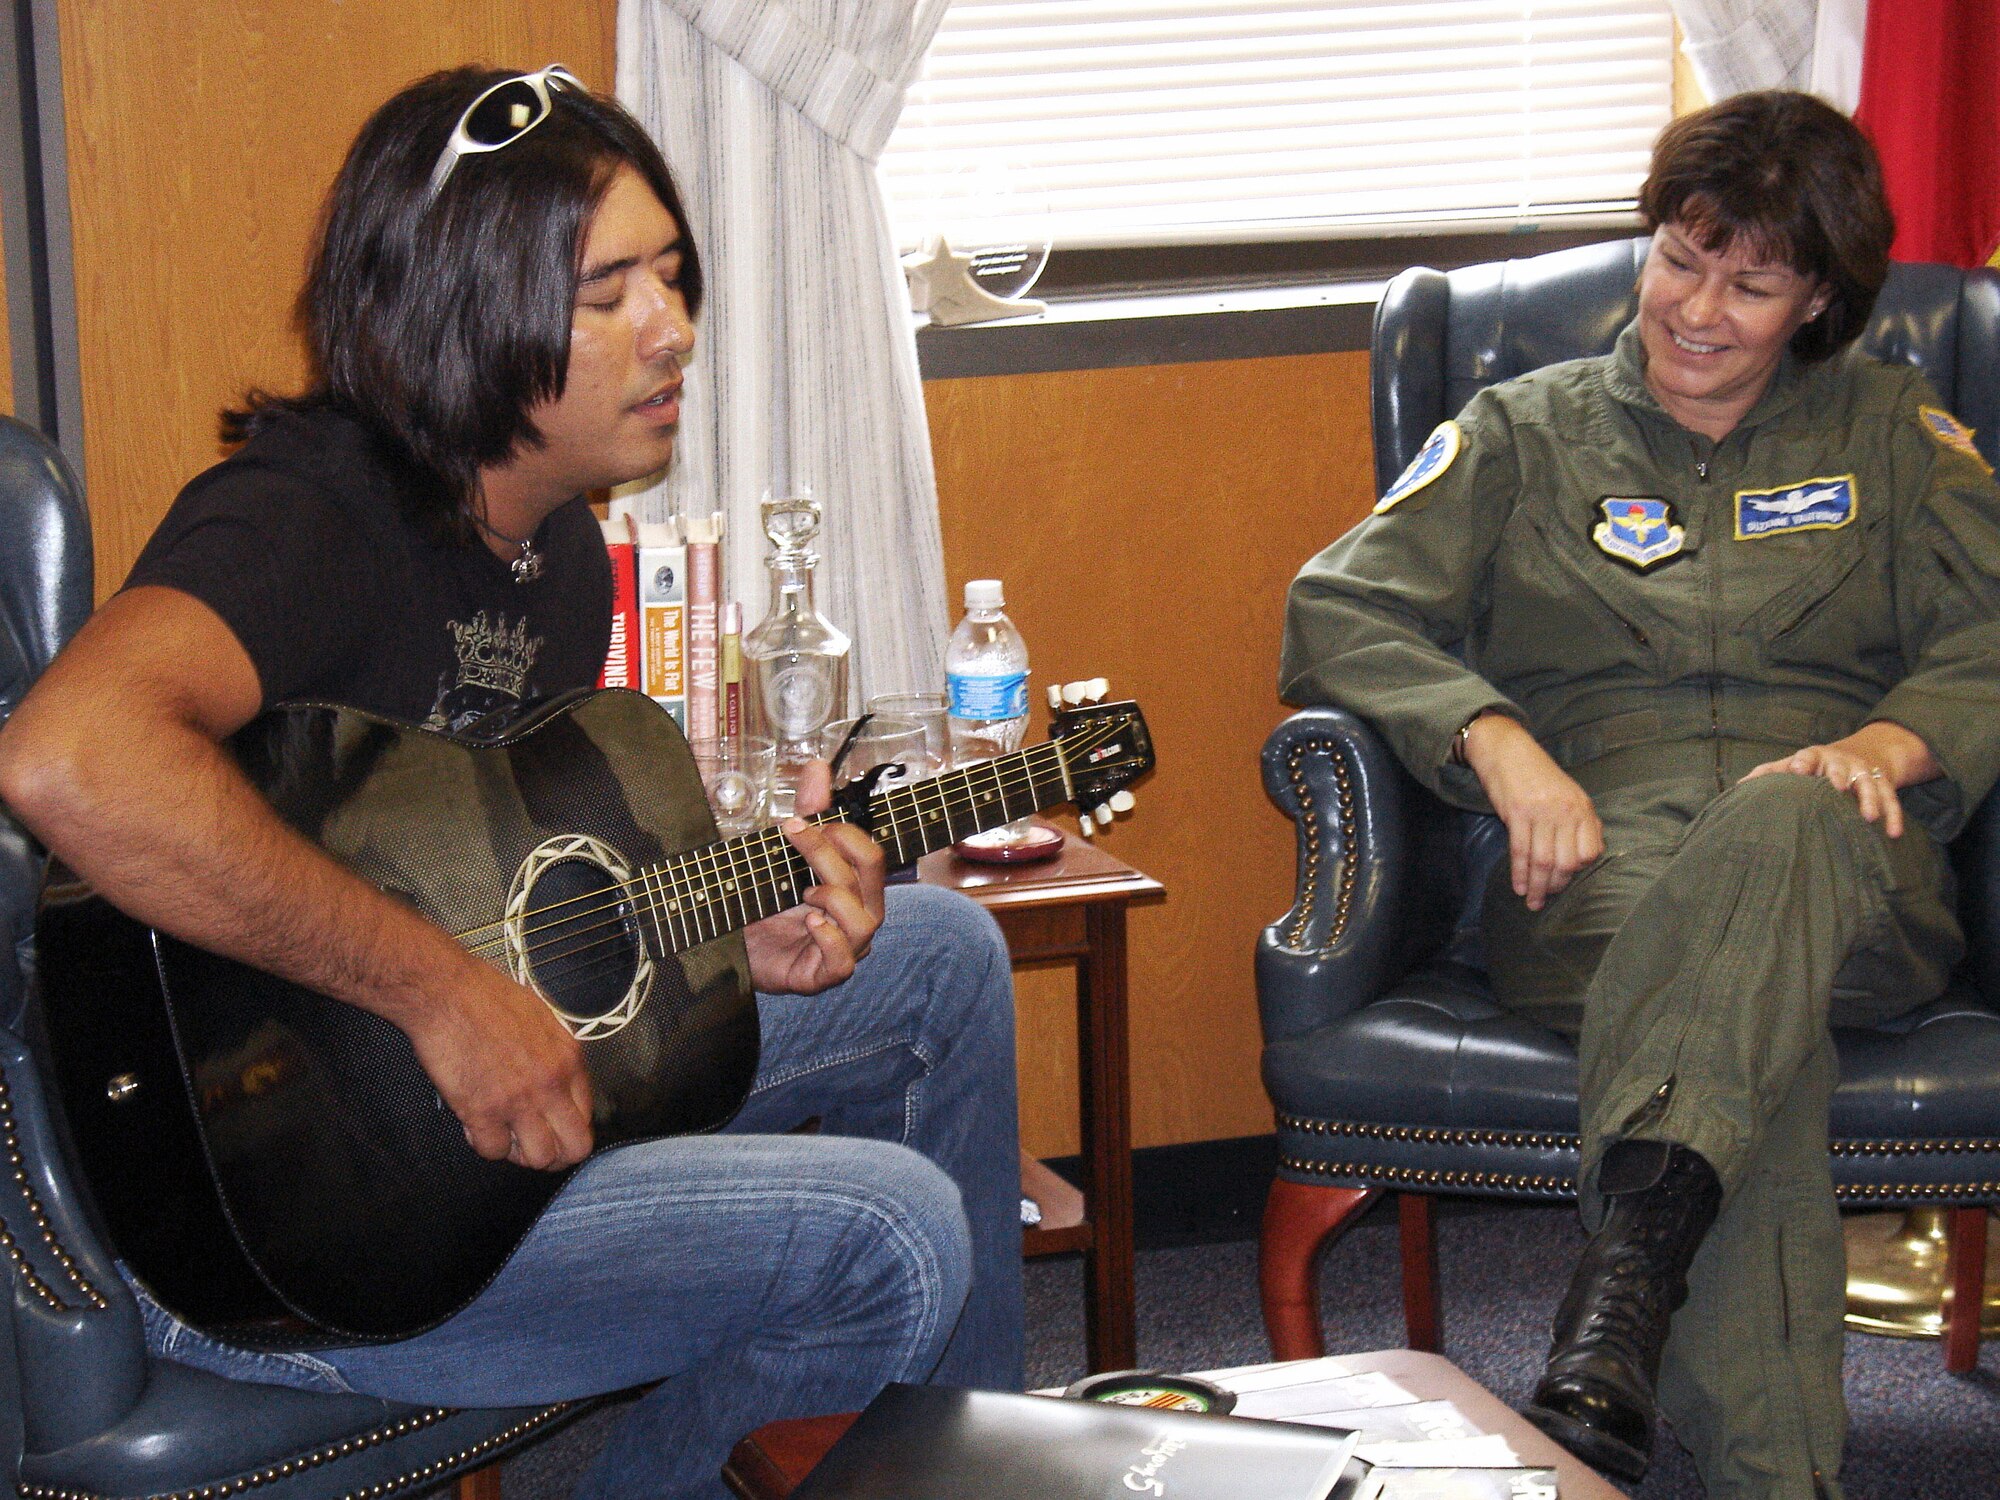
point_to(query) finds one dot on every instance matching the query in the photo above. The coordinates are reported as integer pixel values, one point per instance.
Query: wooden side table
(1073, 908)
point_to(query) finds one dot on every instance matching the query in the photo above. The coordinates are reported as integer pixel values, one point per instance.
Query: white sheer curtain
(1734, 45)
(772, 114)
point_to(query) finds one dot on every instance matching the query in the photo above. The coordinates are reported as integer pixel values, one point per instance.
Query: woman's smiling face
(1714, 325)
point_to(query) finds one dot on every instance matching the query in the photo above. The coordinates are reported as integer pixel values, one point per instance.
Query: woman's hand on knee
(1553, 829)
(1872, 764)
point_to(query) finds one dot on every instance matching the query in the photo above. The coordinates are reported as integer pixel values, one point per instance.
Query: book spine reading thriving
(621, 657)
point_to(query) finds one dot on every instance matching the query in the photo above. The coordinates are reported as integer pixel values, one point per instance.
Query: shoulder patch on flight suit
(1823, 504)
(1436, 455)
(1638, 531)
(1951, 432)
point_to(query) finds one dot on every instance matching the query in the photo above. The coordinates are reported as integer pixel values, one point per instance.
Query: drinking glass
(928, 709)
(885, 739)
(736, 774)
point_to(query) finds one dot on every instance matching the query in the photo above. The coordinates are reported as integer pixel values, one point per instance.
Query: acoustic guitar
(277, 1167)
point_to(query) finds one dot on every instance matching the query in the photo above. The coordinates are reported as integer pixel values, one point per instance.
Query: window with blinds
(1155, 122)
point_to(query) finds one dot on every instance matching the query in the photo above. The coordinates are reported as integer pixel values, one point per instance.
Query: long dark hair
(440, 324)
(1794, 180)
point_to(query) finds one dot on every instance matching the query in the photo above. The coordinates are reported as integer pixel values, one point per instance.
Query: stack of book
(672, 636)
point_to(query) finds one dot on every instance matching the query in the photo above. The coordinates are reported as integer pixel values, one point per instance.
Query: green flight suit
(1837, 560)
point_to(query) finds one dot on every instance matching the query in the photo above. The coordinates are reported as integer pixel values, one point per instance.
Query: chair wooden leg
(1421, 1318)
(480, 1484)
(1299, 1218)
(1968, 1289)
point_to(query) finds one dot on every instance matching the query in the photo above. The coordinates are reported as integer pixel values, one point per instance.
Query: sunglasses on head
(501, 115)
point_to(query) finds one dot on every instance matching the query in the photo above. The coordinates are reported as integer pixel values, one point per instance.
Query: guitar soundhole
(582, 940)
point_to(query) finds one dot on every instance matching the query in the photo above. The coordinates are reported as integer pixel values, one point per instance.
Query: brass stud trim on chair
(1952, 1145)
(1976, 1191)
(17, 1166)
(430, 1473)
(1429, 1135)
(1309, 874)
(1435, 1178)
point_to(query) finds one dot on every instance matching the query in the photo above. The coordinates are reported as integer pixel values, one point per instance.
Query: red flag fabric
(1930, 100)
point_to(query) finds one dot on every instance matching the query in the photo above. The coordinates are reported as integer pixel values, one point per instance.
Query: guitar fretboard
(707, 892)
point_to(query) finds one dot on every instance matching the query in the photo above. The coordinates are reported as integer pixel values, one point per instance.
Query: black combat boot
(1596, 1396)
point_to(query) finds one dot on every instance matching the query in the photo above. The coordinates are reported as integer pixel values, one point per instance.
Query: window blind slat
(1136, 121)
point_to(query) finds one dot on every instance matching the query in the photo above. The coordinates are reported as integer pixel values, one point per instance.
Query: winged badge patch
(1824, 504)
(1639, 531)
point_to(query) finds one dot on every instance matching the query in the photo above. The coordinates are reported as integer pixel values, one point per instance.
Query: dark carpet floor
(1914, 1430)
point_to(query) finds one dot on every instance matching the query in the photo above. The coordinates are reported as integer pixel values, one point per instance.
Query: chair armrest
(1358, 917)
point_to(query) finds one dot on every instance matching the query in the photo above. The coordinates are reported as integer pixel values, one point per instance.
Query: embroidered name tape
(1824, 504)
(1951, 432)
(1638, 530)
(1436, 455)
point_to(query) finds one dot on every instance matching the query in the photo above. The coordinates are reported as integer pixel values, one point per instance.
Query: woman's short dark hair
(1795, 181)
(440, 324)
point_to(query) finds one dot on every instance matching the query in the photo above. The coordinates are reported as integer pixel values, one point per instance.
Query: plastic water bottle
(986, 678)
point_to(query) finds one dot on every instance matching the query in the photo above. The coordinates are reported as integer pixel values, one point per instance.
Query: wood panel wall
(1146, 523)
(201, 139)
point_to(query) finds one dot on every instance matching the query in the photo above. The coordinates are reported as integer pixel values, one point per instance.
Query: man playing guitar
(499, 309)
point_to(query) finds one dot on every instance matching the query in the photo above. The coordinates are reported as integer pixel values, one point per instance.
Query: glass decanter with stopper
(795, 661)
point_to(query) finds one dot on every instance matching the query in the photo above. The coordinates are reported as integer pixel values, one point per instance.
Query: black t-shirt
(308, 546)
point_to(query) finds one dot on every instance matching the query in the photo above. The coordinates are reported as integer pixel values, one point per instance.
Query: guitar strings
(757, 860)
(706, 901)
(752, 856)
(773, 838)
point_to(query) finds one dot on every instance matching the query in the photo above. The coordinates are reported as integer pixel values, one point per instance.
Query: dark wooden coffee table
(769, 1463)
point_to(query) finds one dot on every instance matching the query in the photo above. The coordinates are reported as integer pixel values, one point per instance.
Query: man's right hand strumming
(506, 1066)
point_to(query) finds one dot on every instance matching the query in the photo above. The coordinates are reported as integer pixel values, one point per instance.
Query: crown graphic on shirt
(494, 655)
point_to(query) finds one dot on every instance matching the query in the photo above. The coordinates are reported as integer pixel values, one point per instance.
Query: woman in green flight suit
(1713, 624)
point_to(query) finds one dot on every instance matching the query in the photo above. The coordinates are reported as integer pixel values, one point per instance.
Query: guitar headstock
(1106, 748)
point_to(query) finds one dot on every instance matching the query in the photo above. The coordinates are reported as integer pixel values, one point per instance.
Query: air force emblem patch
(1953, 433)
(1809, 505)
(1639, 531)
(1436, 455)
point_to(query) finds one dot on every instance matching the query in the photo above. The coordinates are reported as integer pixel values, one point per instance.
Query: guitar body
(275, 1164)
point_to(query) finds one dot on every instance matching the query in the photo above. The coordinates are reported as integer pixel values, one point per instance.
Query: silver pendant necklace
(527, 566)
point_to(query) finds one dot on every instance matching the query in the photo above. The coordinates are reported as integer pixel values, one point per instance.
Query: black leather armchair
(1386, 1058)
(84, 1410)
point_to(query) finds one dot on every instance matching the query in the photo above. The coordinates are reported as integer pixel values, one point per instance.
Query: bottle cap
(984, 593)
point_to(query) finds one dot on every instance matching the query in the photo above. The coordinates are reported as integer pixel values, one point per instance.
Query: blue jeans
(756, 1274)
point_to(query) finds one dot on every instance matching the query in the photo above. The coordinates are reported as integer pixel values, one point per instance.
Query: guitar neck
(707, 892)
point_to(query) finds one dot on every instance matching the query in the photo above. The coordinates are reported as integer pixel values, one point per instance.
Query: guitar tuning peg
(1084, 823)
(1103, 814)
(1121, 802)
(1096, 688)
(1055, 697)
(1074, 692)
